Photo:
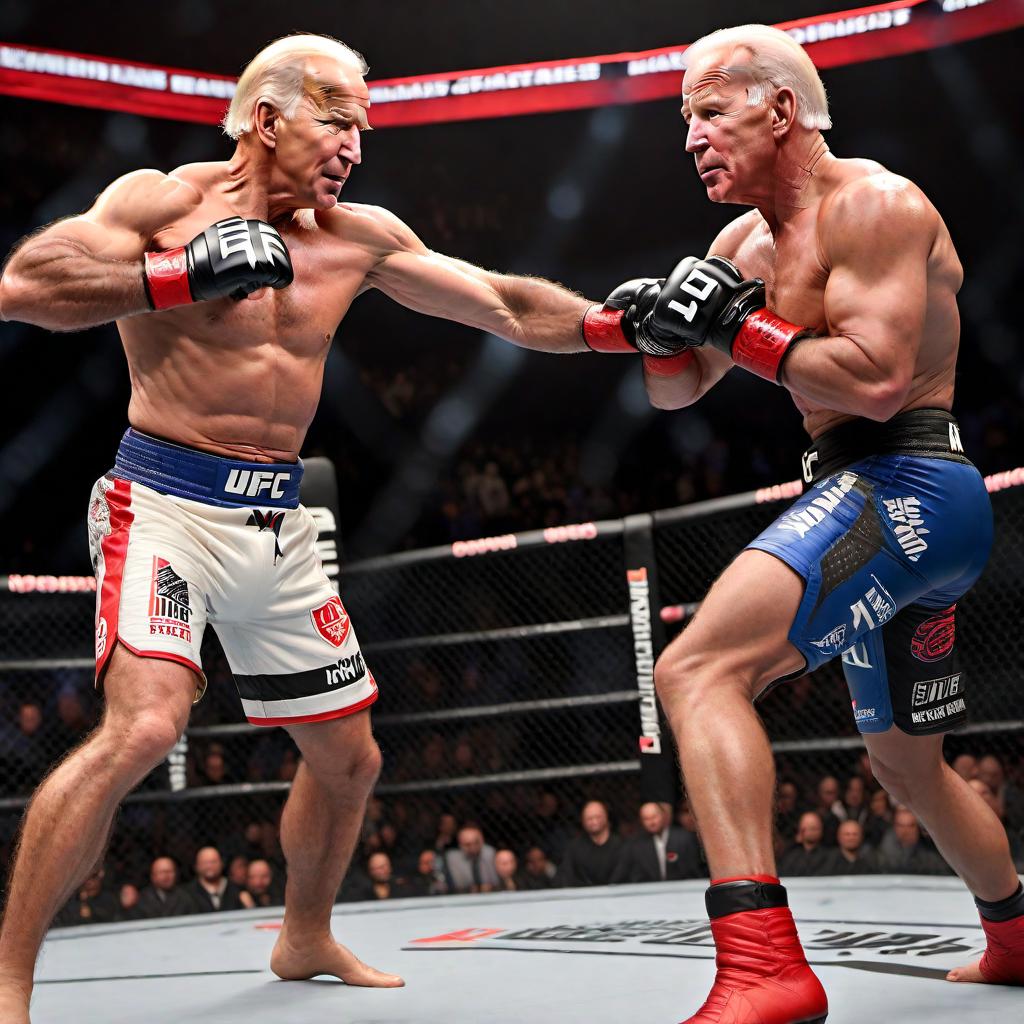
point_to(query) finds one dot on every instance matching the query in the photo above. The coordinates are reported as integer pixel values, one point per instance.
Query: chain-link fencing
(515, 681)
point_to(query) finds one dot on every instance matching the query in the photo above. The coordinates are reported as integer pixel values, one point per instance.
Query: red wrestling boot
(1003, 962)
(763, 976)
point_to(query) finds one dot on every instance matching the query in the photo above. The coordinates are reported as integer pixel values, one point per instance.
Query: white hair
(775, 59)
(278, 74)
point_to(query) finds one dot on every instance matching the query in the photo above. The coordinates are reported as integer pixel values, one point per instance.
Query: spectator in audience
(238, 869)
(262, 884)
(92, 904)
(1013, 838)
(26, 756)
(538, 872)
(827, 798)
(551, 831)
(661, 851)
(902, 851)
(851, 856)
(428, 879)
(787, 813)
(210, 890)
(807, 856)
(854, 805)
(966, 766)
(685, 817)
(596, 857)
(163, 897)
(73, 721)
(992, 771)
(377, 884)
(506, 864)
(128, 900)
(447, 828)
(879, 818)
(470, 867)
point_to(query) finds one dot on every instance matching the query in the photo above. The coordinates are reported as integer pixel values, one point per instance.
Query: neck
(798, 179)
(252, 184)
(600, 838)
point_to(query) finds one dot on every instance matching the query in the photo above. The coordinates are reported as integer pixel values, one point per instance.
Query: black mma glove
(612, 327)
(707, 302)
(232, 257)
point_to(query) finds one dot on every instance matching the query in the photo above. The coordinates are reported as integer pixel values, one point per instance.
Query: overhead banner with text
(832, 40)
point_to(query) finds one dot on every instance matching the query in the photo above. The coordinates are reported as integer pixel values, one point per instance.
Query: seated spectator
(447, 827)
(92, 904)
(851, 856)
(854, 804)
(507, 867)
(594, 858)
(163, 897)
(470, 867)
(902, 852)
(1010, 796)
(210, 890)
(73, 719)
(428, 879)
(1012, 837)
(538, 872)
(378, 883)
(787, 811)
(662, 851)
(827, 798)
(807, 856)
(879, 818)
(238, 870)
(128, 900)
(262, 884)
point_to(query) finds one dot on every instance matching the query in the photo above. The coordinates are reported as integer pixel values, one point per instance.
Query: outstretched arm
(527, 311)
(88, 270)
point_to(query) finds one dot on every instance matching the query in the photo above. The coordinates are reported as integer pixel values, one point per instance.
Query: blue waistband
(212, 479)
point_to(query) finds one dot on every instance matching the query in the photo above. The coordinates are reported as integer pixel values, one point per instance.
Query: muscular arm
(88, 270)
(527, 311)
(876, 240)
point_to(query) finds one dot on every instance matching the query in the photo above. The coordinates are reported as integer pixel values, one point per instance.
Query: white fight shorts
(180, 538)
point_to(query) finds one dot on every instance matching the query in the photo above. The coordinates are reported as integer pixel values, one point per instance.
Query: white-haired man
(894, 528)
(227, 281)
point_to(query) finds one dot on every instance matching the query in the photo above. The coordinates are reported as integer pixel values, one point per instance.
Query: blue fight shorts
(894, 529)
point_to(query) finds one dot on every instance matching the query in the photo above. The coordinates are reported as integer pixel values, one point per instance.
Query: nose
(696, 140)
(351, 147)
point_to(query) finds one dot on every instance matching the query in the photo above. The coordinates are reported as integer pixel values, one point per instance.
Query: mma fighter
(840, 285)
(227, 281)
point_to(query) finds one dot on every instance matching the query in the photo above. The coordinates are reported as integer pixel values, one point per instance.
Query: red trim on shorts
(323, 717)
(115, 551)
(163, 656)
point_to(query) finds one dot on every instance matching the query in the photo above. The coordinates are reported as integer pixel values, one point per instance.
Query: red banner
(848, 37)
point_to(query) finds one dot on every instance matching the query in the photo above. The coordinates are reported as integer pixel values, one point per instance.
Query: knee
(687, 678)
(349, 771)
(139, 744)
(905, 783)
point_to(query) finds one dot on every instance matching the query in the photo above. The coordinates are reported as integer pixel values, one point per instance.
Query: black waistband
(931, 433)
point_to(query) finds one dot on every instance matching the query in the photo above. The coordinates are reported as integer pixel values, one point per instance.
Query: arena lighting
(832, 40)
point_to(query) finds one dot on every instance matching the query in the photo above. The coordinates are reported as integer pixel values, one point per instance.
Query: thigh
(152, 688)
(296, 659)
(742, 626)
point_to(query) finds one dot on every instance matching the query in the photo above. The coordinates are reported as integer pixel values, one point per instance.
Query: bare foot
(971, 972)
(13, 1004)
(325, 957)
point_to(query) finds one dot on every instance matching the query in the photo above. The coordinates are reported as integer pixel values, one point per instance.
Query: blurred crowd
(165, 864)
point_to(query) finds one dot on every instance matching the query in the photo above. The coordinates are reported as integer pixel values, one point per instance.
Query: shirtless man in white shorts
(227, 281)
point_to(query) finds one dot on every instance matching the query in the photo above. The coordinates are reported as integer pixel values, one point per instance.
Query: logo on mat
(934, 638)
(332, 621)
(169, 609)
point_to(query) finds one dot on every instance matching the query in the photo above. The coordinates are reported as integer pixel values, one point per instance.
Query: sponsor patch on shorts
(169, 609)
(331, 621)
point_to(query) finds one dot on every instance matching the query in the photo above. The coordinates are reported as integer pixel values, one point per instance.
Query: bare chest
(301, 318)
(794, 274)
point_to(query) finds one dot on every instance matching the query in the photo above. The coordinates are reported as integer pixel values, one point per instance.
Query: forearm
(841, 375)
(58, 284)
(539, 314)
(677, 390)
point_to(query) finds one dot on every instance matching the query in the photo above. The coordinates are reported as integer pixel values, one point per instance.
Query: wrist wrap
(602, 330)
(763, 342)
(166, 278)
(668, 366)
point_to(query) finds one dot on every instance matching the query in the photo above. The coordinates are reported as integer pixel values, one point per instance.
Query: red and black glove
(708, 302)
(230, 258)
(613, 326)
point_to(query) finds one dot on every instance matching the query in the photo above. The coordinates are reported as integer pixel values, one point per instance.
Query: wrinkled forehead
(337, 87)
(719, 72)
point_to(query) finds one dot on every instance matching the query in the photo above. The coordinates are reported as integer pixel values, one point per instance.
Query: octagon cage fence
(516, 681)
